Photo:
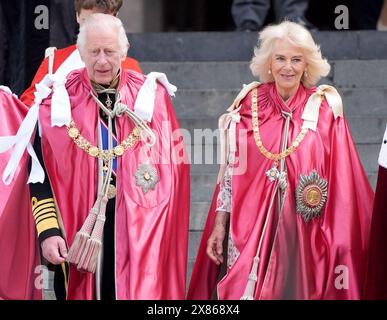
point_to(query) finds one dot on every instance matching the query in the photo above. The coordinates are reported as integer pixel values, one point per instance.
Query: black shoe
(304, 22)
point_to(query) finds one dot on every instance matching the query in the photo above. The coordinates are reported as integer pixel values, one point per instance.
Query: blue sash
(105, 143)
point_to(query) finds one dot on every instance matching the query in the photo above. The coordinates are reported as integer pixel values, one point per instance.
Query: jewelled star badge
(273, 173)
(146, 177)
(311, 195)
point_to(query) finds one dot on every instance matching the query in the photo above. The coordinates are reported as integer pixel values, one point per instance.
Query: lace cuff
(223, 202)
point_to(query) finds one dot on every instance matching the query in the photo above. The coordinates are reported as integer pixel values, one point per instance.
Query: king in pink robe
(151, 234)
(151, 229)
(324, 258)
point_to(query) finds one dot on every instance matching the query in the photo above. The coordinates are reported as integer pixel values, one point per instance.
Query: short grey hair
(297, 35)
(107, 21)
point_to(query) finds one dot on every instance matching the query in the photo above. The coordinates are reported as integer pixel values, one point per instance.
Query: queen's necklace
(273, 172)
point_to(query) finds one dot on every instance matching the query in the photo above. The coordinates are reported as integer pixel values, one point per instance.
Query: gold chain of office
(258, 140)
(105, 155)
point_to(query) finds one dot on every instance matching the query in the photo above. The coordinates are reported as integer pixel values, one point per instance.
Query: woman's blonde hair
(297, 35)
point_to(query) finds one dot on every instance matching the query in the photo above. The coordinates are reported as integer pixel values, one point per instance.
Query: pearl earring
(269, 72)
(306, 73)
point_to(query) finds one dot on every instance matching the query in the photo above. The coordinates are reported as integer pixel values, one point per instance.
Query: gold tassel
(89, 259)
(253, 277)
(83, 235)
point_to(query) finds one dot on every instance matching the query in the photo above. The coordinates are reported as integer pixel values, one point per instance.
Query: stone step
(193, 248)
(232, 75)
(202, 187)
(204, 169)
(194, 242)
(238, 46)
(190, 266)
(198, 214)
(364, 129)
(360, 74)
(210, 103)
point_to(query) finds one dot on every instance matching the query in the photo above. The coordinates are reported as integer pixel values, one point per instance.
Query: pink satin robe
(151, 232)
(322, 259)
(20, 277)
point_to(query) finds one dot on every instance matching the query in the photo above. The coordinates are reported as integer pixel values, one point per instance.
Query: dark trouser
(3, 45)
(367, 13)
(108, 283)
(63, 24)
(256, 10)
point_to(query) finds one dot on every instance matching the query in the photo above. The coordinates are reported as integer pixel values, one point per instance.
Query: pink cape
(19, 273)
(322, 259)
(376, 284)
(151, 233)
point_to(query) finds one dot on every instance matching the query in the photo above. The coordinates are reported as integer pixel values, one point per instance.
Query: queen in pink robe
(290, 217)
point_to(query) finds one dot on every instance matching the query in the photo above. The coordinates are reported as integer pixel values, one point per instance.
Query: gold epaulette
(44, 212)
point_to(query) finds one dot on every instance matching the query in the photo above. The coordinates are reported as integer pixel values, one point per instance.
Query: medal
(146, 177)
(109, 101)
(311, 195)
(273, 173)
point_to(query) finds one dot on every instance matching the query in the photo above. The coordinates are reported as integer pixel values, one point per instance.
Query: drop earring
(269, 71)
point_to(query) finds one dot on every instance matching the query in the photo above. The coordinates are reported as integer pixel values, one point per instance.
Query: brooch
(273, 173)
(146, 177)
(311, 195)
